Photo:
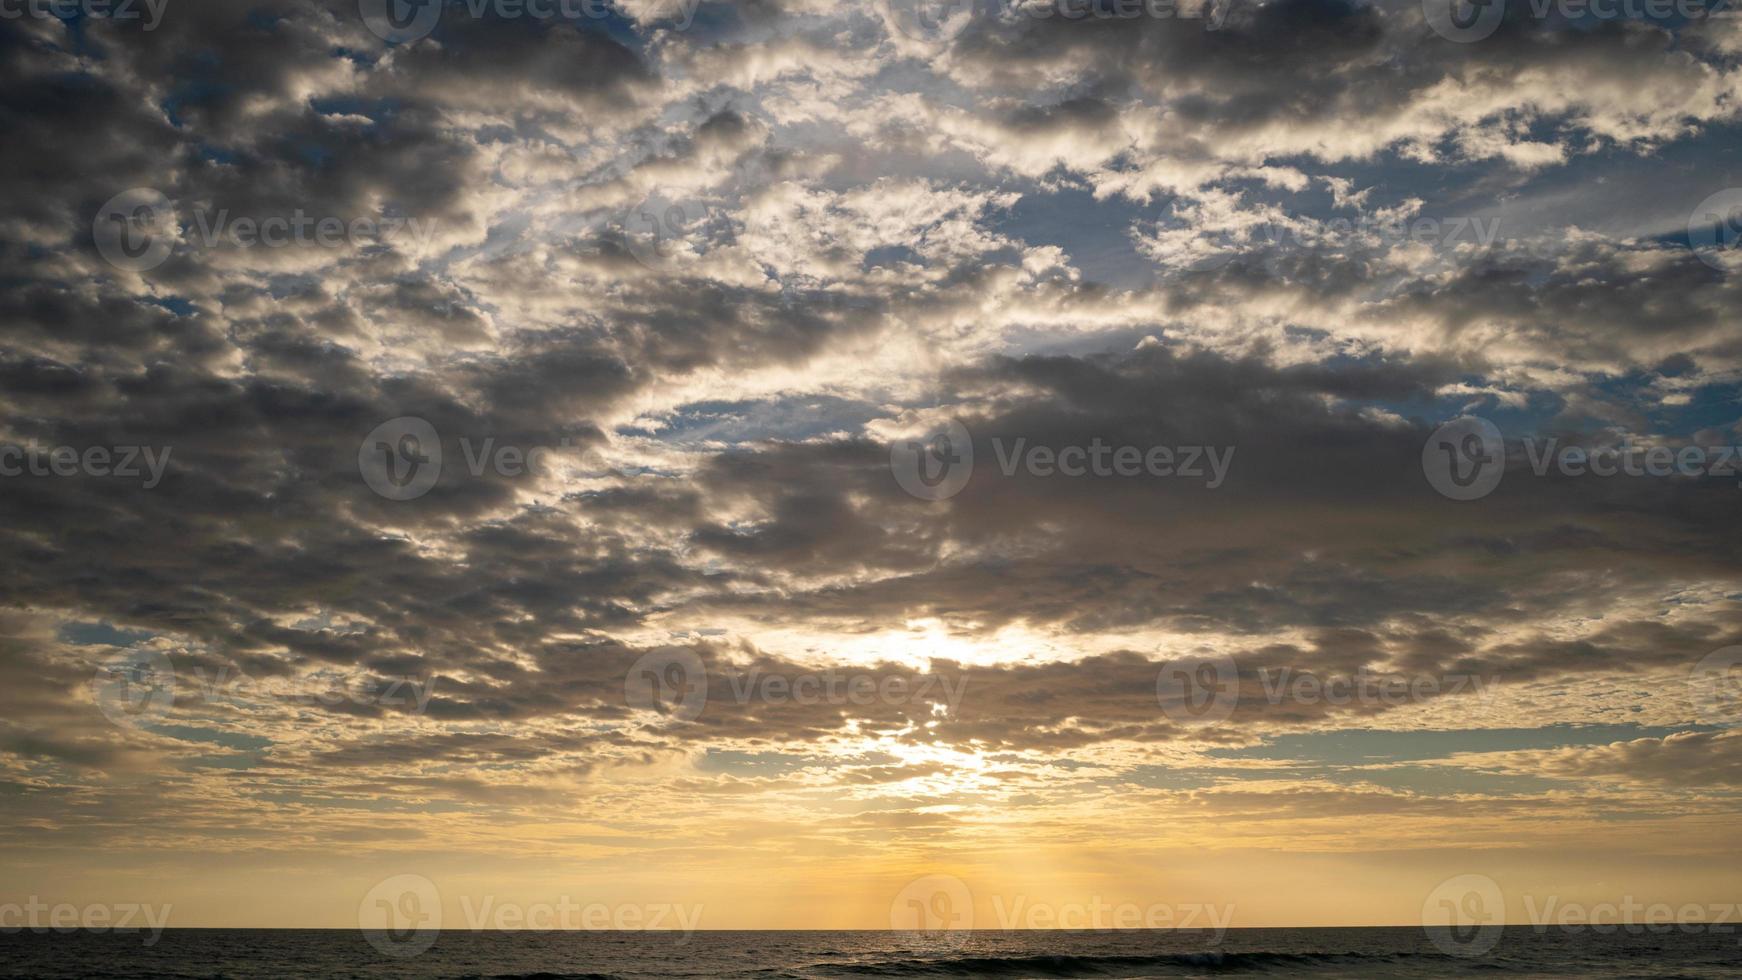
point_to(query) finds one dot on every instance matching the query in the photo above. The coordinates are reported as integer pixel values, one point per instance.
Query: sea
(1348, 952)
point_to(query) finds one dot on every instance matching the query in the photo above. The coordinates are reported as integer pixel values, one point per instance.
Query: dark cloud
(1047, 232)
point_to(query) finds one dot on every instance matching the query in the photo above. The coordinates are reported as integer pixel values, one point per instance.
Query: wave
(1215, 961)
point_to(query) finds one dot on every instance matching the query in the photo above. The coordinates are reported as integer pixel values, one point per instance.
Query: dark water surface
(1389, 952)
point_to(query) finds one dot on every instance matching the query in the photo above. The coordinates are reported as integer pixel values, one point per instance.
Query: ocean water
(1364, 952)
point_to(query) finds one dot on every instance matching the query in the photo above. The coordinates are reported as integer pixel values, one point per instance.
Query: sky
(800, 459)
